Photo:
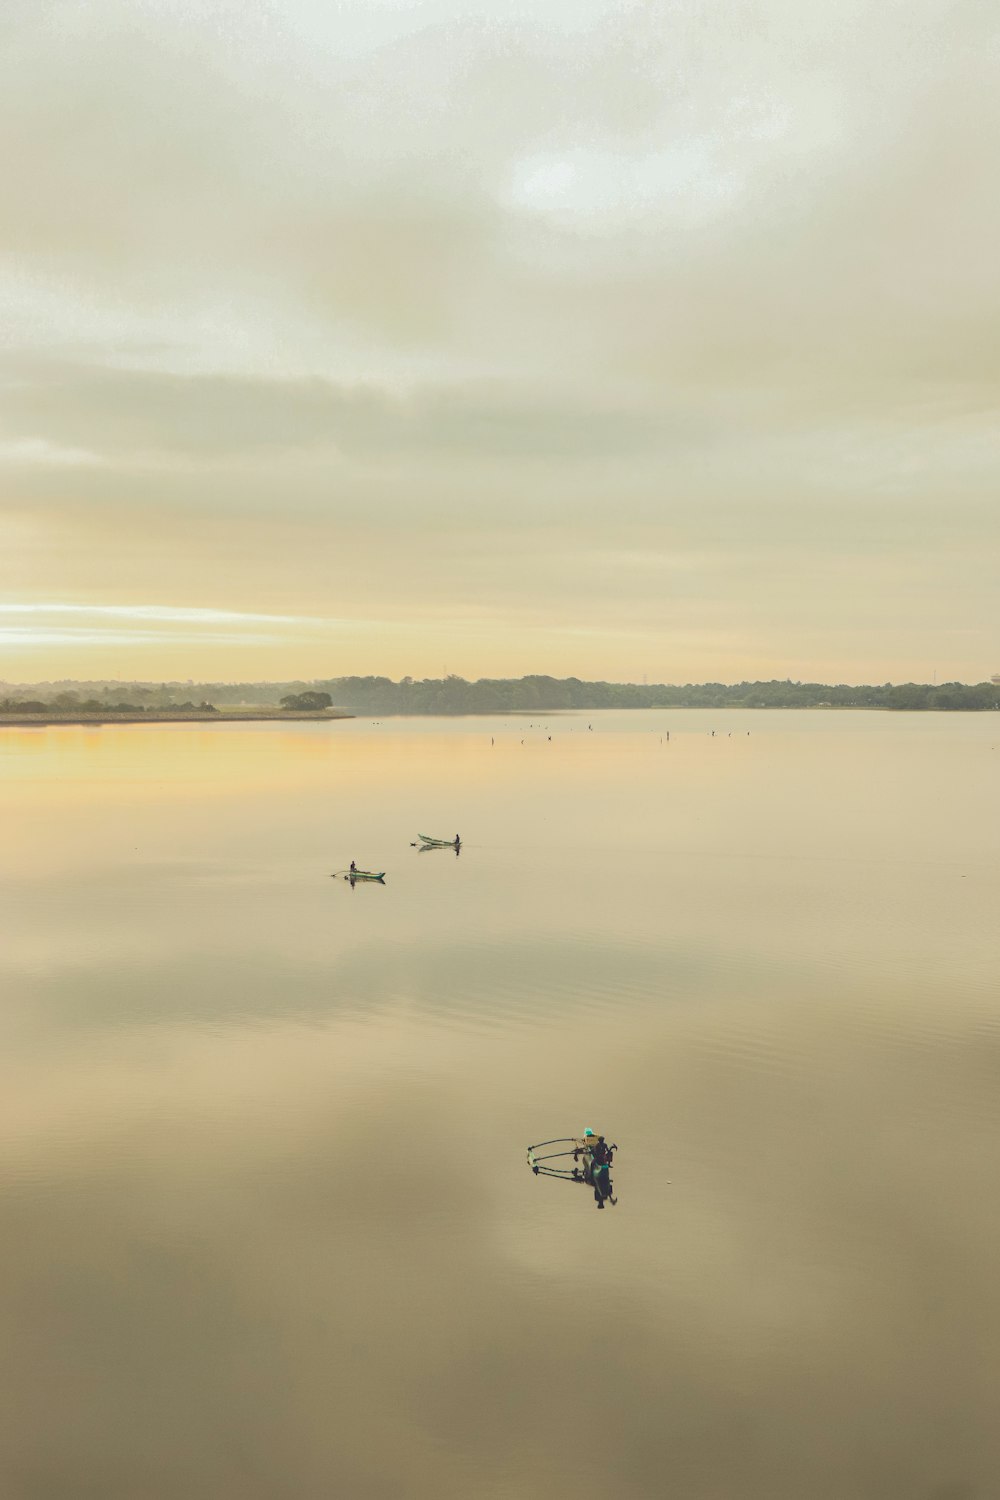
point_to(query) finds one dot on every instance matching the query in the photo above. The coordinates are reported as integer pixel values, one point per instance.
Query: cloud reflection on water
(268, 1227)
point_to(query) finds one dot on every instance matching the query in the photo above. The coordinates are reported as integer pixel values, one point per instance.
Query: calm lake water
(268, 1229)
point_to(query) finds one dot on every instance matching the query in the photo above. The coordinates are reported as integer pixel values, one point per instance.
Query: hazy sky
(614, 339)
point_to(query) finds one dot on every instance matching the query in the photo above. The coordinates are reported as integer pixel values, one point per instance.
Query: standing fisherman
(597, 1170)
(603, 1155)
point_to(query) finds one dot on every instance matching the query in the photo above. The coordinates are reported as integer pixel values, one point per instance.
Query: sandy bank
(170, 716)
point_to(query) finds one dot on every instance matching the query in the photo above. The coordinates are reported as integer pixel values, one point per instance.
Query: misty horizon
(454, 695)
(289, 682)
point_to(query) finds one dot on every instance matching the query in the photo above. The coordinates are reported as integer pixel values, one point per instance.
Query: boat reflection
(583, 1160)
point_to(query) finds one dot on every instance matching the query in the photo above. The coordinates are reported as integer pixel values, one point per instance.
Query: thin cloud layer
(397, 286)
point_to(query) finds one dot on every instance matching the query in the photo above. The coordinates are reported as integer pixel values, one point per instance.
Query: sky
(617, 340)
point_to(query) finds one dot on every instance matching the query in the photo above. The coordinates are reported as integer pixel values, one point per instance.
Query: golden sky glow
(593, 338)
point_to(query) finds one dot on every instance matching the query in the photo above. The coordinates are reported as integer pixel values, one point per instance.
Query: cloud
(49, 404)
(377, 284)
(439, 185)
(123, 625)
(155, 613)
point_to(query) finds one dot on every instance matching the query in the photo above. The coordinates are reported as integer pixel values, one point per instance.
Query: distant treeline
(72, 703)
(453, 695)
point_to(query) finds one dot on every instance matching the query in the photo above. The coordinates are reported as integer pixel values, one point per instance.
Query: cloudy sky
(604, 337)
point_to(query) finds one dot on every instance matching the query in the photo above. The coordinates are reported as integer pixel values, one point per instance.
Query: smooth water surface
(268, 1229)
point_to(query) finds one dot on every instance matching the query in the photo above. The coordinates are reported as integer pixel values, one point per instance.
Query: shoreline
(168, 716)
(284, 716)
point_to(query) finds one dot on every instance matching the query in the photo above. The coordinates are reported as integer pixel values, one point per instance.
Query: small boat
(438, 843)
(353, 875)
(575, 1173)
(584, 1169)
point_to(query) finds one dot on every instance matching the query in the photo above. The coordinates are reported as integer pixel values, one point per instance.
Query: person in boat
(603, 1155)
(354, 868)
(457, 841)
(598, 1172)
(585, 1147)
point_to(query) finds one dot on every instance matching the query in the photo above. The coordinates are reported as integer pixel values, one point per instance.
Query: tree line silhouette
(455, 695)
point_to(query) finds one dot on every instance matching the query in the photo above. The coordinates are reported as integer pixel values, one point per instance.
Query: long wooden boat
(438, 843)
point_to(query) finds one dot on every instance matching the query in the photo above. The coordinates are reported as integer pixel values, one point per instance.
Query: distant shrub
(306, 702)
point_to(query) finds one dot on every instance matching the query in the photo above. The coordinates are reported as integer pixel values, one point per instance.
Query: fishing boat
(430, 843)
(353, 875)
(585, 1167)
(538, 1159)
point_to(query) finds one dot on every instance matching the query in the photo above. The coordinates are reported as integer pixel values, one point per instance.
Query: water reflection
(267, 1226)
(427, 843)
